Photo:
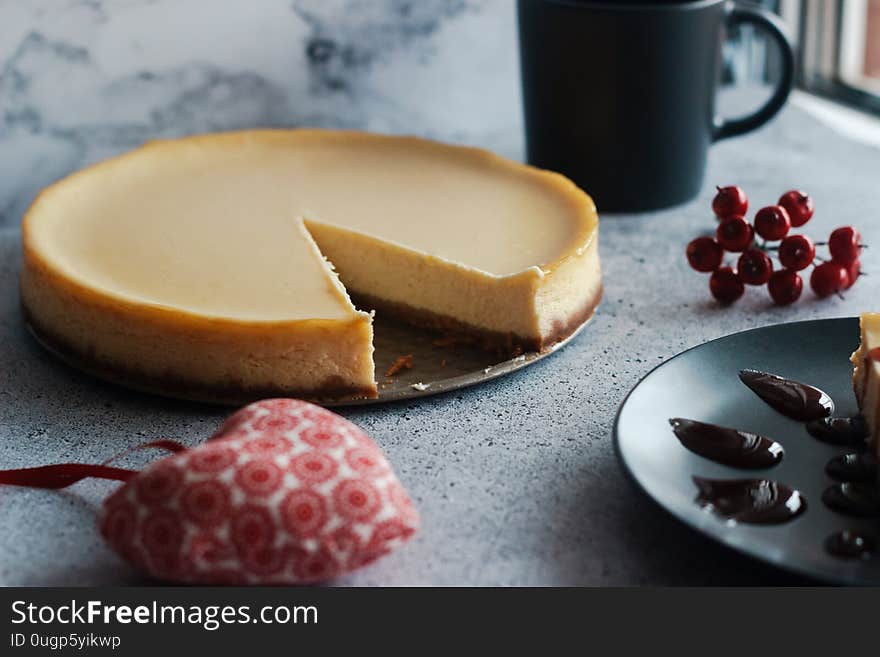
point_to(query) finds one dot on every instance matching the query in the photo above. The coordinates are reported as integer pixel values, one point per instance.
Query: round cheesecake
(220, 267)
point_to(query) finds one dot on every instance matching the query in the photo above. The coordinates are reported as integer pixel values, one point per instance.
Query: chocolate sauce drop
(753, 501)
(848, 544)
(792, 398)
(839, 430)
(853, 499)
(853, 467)
(739, 449)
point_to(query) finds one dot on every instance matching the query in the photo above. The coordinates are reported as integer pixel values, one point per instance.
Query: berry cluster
(794, 252)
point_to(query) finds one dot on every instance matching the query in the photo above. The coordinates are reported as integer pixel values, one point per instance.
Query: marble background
(84, 79)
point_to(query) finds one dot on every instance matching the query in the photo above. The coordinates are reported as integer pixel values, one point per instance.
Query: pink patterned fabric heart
(285, 492)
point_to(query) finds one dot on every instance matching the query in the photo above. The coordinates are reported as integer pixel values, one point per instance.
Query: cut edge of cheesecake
(866, 375)
(535, 298)
(504, 314)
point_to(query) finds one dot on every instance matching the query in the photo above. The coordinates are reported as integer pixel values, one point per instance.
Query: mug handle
(775, 28)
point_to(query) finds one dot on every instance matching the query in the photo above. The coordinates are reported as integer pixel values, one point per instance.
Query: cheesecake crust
(228, 393)
(505, 345)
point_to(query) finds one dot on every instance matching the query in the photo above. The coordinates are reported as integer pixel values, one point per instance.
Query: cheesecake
(866, 376)
(223, 267)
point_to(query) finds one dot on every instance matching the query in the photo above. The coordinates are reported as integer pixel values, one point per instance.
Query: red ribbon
(62, 475)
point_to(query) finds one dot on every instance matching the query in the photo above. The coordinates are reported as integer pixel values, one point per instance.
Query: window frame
(821, 27)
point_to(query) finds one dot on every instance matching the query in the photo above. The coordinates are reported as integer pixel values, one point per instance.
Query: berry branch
(794, 252)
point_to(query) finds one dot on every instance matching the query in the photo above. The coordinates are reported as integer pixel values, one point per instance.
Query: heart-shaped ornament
(285, 492)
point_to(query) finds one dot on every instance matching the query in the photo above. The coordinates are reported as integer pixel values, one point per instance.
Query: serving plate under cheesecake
(703, 384)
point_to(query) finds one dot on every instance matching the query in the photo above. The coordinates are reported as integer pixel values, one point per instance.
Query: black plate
(702, 384)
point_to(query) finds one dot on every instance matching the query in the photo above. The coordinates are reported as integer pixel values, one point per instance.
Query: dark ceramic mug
(620, 96)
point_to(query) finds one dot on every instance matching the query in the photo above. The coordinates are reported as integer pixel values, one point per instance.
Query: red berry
(772, 223)
(704, 254)
(754, 267)
(725, 285)
(730, 202)
(798, 205)
(734, 234)
(797, 252)
(829, 278)
(845, 245)
(785, 287)
(853, 271)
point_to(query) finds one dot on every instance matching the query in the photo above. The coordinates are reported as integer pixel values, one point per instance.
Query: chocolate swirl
(752, 501)
(739, 449)
(798, 401)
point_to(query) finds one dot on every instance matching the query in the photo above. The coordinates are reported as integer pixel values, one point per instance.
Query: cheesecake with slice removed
(220, 267)
(866, 375)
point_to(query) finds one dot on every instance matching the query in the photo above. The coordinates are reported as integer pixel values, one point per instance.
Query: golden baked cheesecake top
(212, 225)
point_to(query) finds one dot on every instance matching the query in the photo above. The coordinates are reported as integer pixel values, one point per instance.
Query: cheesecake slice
(206, 267)
(866, 375)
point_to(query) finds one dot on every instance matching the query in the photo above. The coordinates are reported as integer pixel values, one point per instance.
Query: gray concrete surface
(516, 480)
